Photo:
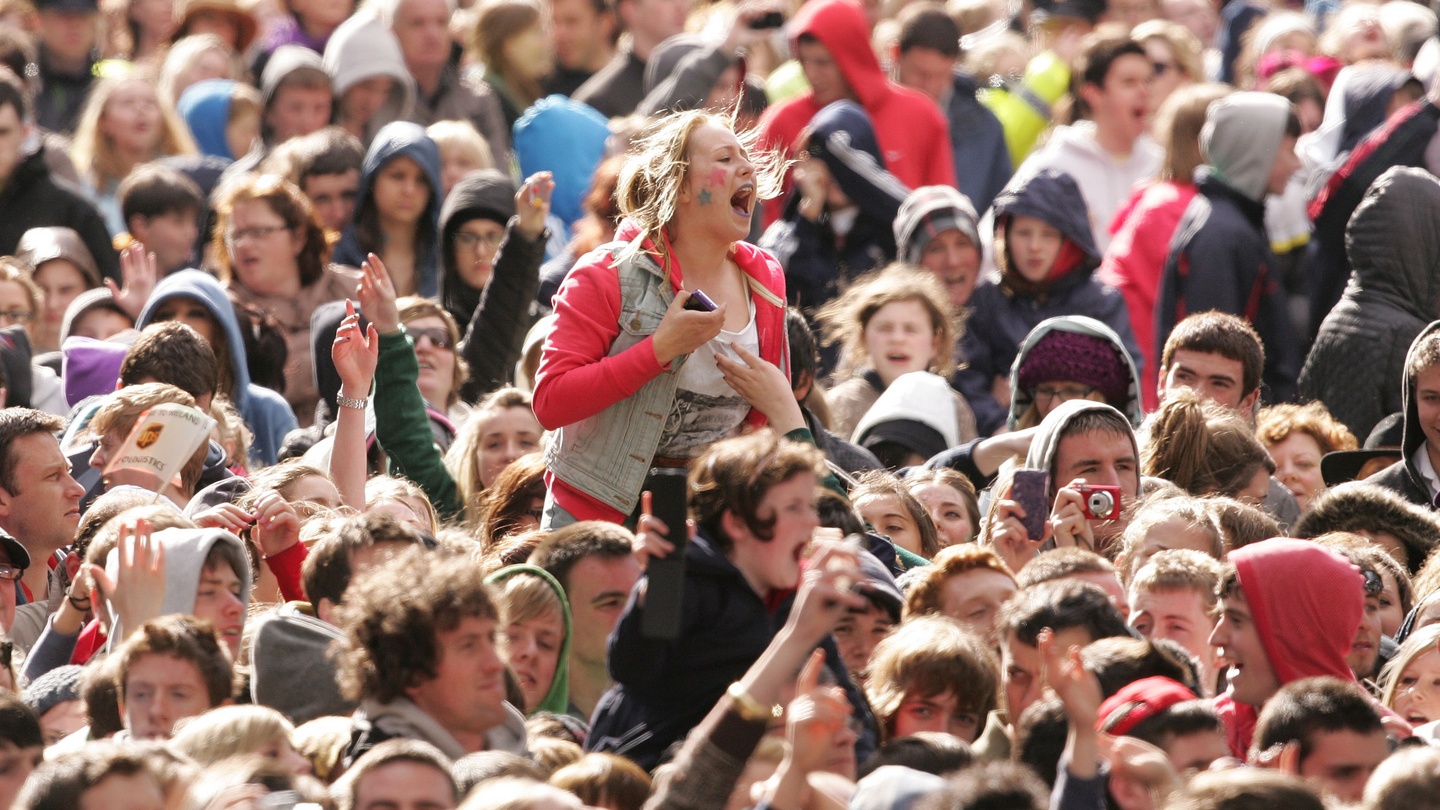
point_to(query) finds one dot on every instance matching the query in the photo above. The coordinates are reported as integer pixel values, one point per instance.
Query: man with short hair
(69, 40)
(422, 27)
(162, 208)
(30, 196)
(112, 424)
(1162, 712)
(1331, 729)
(169, 669)
(595, 563)
(583, 34)
(927, 58)
(1107, 150)
(430, 670)
(1078, 613)
(399, 774)
(618, 88)
(298, 100)
(1173, 597)
(831, 40)
(1289, 609)
(1217, 355)
(1078, 565)
(39, 501)
(326, 166)
(1220, 258)
(99, 776)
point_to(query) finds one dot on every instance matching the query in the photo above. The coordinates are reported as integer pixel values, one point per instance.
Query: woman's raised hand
(532, 204)
(682, 330)
(356, 354)
(377, 296)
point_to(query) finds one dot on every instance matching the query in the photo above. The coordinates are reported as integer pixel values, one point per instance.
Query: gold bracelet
(749, 708)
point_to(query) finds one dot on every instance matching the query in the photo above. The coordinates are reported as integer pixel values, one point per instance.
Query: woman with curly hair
(1297, 436)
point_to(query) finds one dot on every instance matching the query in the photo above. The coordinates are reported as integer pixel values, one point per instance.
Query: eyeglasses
(439, 338)
(11, 572)
(1161, 68)
(1374, 585)
(16, 316)
(470, 241)
(235, 237)
(1046, 393)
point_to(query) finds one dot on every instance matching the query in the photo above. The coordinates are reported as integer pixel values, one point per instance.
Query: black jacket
(1357, 365)
(1220, 259)
(31, 198)
(496, 318)
(1403, 476)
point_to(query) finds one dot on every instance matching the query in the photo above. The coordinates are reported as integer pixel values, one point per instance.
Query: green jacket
(403, 427)
(557, 700)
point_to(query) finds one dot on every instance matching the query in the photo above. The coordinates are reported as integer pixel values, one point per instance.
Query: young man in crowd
(1108, 149)
(112, 424)
(326, 166)
(927, 58)
(595, 563)
(162, 209)
(1414, 476)
(431, 670)
(1289, 609)
(1173, 596)
(583, 34)
(22, 746)
(618, 87)
(169, 669)
(1327, 732)
(1220, 258)
(1162, 712)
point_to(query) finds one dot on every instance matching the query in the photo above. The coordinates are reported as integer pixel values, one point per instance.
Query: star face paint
(705, 197)
(721, 186)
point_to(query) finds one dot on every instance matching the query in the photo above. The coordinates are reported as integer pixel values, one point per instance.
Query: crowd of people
(780, 405)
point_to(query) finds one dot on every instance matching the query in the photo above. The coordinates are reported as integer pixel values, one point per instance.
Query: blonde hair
(389, 488)
(463, 457)
(1420, 642)
(96, 158)
(1177, 568)
(183, 54)
(845, 319)
(229, 731)
(13, 269)
(414, 307)
(461, 136)
(232, 429)
(523, 597)
(659, 162)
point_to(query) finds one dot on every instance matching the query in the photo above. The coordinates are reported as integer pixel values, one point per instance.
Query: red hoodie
(1307, 602)
(914, 135)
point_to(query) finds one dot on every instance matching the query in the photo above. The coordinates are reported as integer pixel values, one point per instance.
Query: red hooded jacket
(1307, 602)
(913, 133)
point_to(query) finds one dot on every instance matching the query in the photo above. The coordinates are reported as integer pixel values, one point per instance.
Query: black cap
(88, 6)
(1384, 441)
(19, 557)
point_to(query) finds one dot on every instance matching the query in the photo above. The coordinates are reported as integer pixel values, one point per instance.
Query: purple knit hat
(1084, 359)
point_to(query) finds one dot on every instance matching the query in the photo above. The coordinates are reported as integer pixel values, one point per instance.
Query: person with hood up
(397, 212)
(223, 116)
(196, 298)
(1394, 292)
(1408, 532)
(297, 100)
(63, 269)
(1414, 476)
(832, 41)
(566, 138)
(1046, 255)
(1071, 357)
(689, 71)
(483, 241)
(1220, 257)
(1080, 442)
(937, 229)
(912, 420)
(1289, 609)
(367, 72)
(1361, 101)
(836, 223)
(535, 632)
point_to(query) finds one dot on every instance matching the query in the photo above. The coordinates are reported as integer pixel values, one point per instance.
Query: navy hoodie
(400, 139)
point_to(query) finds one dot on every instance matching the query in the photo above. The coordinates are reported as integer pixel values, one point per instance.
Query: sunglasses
(1374, 585)
(439, 338)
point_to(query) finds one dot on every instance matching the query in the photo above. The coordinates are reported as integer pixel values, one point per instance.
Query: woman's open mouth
(742, 202)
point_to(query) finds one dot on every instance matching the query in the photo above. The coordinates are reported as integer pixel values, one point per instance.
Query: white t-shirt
(706, 409)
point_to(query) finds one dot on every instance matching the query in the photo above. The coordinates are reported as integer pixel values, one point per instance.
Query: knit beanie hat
(57, 686)
(1061, 355)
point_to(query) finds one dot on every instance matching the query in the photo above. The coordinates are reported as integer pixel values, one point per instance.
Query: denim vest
(609, 454)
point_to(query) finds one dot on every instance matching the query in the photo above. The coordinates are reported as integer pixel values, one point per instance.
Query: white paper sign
(163, 439)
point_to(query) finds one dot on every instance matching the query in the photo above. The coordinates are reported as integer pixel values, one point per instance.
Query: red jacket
(577, 379)
(1135, 261)
(913, 133)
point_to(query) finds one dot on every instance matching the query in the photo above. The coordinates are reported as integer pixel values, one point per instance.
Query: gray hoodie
(1241, 138)
(1046, 442)
(185, 553)
(363, 48)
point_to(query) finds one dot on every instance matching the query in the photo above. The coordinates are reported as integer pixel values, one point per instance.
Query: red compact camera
(1100, 501)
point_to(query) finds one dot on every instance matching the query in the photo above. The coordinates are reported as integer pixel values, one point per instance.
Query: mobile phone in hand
(1032, 491)
(665, 593)
(699, 302)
